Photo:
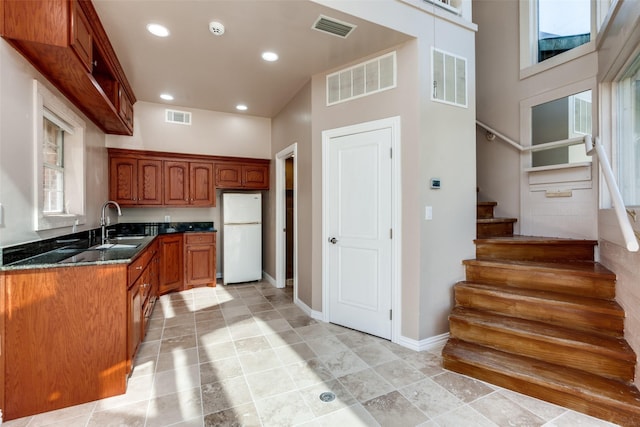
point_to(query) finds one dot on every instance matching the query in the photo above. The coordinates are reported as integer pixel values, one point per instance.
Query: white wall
(17, 174)
(438, 140)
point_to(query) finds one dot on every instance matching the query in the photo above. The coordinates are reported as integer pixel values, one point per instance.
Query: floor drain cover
(327, 396)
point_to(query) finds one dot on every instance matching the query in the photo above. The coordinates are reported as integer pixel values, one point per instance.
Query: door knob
(333, 240)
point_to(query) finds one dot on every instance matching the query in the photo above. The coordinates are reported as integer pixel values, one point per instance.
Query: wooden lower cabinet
(200, 259)
(65, 339)
(171, 263)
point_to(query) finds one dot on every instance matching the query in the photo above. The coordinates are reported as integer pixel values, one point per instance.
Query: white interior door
(359, 252)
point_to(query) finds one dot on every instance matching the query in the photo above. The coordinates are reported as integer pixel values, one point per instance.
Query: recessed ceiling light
(270, 56)
(158, 30)
(241, 107)
(166, 97)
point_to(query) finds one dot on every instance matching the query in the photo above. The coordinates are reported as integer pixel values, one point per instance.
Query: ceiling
(216, 73)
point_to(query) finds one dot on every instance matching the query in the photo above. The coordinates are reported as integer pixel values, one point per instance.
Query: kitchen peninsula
(75, 310)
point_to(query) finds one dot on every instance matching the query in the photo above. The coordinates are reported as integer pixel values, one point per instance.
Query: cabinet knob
(139, 267)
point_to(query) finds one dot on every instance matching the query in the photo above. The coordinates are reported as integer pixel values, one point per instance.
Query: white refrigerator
(242, 237)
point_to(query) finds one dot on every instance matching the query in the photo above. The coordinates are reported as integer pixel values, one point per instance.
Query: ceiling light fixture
(241, 107)
(166, 97)
(216, 28)
(158, 30)
(270, 56)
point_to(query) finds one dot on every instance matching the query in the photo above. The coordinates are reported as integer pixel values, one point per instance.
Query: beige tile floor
(245, 355)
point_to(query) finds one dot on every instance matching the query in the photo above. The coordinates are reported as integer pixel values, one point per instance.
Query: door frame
(281, 218)
(396, 215)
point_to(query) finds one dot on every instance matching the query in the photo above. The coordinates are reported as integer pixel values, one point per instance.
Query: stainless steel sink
(114, 246)
(128, 238)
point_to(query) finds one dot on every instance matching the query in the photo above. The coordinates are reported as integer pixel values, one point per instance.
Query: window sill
(558, 60)
(49, 222)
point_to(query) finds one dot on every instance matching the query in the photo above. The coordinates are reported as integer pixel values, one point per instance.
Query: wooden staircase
(489, 226)
(538, 316)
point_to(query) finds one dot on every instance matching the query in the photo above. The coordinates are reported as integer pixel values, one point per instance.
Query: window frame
(46, 104)
(528, 29)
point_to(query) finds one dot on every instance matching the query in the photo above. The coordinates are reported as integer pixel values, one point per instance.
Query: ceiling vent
(178, 117)
(333, 26)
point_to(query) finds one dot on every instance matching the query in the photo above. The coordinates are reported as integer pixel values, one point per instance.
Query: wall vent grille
(178, 117)
(366, 78)
(333, 26)
(449, 76)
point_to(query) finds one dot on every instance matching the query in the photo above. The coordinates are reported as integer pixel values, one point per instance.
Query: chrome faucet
(103, 218)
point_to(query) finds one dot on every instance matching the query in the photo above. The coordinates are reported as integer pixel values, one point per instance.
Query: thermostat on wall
(435, 183)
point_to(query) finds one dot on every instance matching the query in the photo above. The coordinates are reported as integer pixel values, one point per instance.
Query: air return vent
(179, 117)
(366, 78)
(333, 26)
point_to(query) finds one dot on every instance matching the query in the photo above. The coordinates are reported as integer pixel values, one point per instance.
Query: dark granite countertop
(84, 248)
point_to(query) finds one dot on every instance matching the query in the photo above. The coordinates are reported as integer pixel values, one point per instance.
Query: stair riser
(566, 399)
(537, 252)
(484, 211)
(593, 286)
(543, 348)
(494, 230)
(547, 311)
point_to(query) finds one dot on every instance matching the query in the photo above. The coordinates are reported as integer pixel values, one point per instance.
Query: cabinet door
(125, 109)
(200, 259)
(228, 175)
(202, 190)
(171, 264)
(176, 183)
(149, 182)
(255, 176)
(134, 332)
(81, 38)
(123, 180)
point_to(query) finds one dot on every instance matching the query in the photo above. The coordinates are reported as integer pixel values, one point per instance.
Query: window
(628, 143)
(59, 162)
(559, 120)
(562, 26)
(556, 31)
(52, 168)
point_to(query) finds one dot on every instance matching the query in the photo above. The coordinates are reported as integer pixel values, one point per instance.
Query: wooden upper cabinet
(65, 41)
(242, 175)
(176, 183)
(149, 182)
(135, 181)
(202, 189)
(82, 40)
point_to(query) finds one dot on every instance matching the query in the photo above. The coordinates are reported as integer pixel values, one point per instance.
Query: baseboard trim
(269, 279)
(425, 344)
(316, 315)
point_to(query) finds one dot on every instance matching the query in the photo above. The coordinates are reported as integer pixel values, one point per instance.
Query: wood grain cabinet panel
(66, 337)
(135, 181)
(171, 263)
(202, 189)
(200, 259)
(82, 39)
(253, 176)
(176, 183)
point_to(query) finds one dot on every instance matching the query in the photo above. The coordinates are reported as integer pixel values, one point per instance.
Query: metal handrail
(493, 132)
(555, 144)
(616, 197)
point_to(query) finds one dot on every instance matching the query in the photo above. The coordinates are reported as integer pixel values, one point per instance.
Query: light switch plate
(428, 213)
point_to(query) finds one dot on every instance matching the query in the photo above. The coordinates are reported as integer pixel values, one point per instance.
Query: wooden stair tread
(495, 220)
(606, 398)
(535, 240)
(604, 344)
(586, 268)
(493, 204)
(599, 305)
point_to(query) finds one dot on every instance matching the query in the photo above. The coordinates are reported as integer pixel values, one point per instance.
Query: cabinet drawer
(200, 238)
(138, 265)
